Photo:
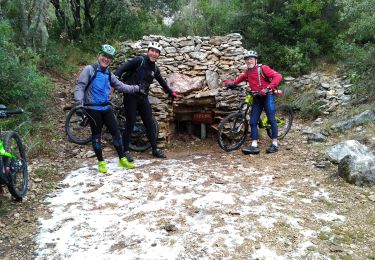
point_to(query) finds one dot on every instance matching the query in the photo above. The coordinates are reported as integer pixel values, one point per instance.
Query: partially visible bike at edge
(13, 164)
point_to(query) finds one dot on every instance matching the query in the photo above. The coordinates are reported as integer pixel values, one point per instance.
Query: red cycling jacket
(274, 78)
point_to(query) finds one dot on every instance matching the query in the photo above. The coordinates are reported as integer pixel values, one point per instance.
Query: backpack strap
(95, 68)
(260, 73)
(141, 73)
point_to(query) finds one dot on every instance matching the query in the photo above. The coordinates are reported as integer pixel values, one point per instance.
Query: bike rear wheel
(139, 141)
(232, 132)
(77, 126)
(16, 168)
(284, 119)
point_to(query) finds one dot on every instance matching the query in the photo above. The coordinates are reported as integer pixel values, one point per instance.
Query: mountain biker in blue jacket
(92, 93)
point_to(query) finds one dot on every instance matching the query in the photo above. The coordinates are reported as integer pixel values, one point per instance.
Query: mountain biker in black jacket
(142, 70)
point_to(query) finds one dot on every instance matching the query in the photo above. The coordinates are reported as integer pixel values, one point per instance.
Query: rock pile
(330, 91)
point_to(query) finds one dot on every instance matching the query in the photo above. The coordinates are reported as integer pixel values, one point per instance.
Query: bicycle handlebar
(256, 93)
(14, 112)
(8, 113)
(98, 104)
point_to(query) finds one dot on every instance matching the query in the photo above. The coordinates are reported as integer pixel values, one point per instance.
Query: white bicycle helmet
(247, 54)
(154, 45)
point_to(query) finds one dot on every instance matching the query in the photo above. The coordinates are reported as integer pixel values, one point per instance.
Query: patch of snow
(330, 216)
(265, 253)
(189, 208)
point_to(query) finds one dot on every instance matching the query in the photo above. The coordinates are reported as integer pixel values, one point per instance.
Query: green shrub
(21, 84)
(360, 67)
(63, 59)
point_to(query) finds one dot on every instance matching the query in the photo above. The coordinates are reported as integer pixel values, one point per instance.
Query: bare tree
(32, 23)
(74, 16)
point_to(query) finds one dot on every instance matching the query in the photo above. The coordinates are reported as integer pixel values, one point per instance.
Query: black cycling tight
(132, 104)
(97, 119)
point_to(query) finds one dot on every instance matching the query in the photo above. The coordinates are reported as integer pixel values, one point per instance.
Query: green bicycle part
(249, 99)
(4, 153)
(267, 124)
(279, 121)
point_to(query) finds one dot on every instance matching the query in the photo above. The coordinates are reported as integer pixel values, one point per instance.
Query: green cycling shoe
(125, 163)
(102, 167)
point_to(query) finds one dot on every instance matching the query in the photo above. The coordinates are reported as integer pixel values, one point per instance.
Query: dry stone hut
(194, 67)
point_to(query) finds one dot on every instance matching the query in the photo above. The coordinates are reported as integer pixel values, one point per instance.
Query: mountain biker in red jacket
(262, 79)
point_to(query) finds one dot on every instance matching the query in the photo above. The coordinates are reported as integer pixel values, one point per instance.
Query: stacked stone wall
(208, 60)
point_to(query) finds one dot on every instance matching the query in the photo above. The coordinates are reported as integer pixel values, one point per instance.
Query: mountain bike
(78, 130)
(233, 129)
(13, 164)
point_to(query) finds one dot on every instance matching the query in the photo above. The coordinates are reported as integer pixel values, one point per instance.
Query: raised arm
(163, 83)
(117, 84)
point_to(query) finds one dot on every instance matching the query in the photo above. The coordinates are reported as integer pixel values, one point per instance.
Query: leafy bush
(63, 59)
(357, 45)
(21, 84)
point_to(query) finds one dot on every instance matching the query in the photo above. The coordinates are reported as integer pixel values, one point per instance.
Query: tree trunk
(62, 18)
(23, 22)
(75, 6)
(37, 36)
(89, 21)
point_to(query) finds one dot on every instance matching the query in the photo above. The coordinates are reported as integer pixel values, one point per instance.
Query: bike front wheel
(232, 132)
(77, 126)
(16, 168)
(139, 141)
(284, 119)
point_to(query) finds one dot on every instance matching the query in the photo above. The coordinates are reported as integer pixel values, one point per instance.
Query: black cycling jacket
(146, 73)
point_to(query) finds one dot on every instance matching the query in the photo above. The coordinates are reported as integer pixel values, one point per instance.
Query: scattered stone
(372, 198)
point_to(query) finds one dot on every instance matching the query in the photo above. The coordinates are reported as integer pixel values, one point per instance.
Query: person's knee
(117, 139)
(96, 142)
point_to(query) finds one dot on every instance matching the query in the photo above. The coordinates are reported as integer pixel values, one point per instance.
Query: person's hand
(230, 84)
(143, 89)
(264, 91)
(79, 104)
(174, 94)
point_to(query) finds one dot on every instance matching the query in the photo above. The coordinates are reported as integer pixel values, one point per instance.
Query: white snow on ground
(170, 209)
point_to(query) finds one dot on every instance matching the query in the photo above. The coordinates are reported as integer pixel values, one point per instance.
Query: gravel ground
(200, 203)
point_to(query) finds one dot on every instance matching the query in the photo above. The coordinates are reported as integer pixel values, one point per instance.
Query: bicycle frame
(5, 153)
(262, 123)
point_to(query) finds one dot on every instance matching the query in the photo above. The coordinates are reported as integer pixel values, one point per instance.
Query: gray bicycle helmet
(247, 54)
(107, 49)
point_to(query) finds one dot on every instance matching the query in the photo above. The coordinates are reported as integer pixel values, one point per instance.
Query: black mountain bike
(77, 127)
(13, 164)
(234, 128)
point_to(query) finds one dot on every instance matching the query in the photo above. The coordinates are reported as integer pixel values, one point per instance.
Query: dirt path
(204, 203)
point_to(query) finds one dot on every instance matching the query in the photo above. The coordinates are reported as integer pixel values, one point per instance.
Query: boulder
(212, 79)
(356, 164)
(184, 84)
(364, 117)
(357, 170)
(349, 147)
